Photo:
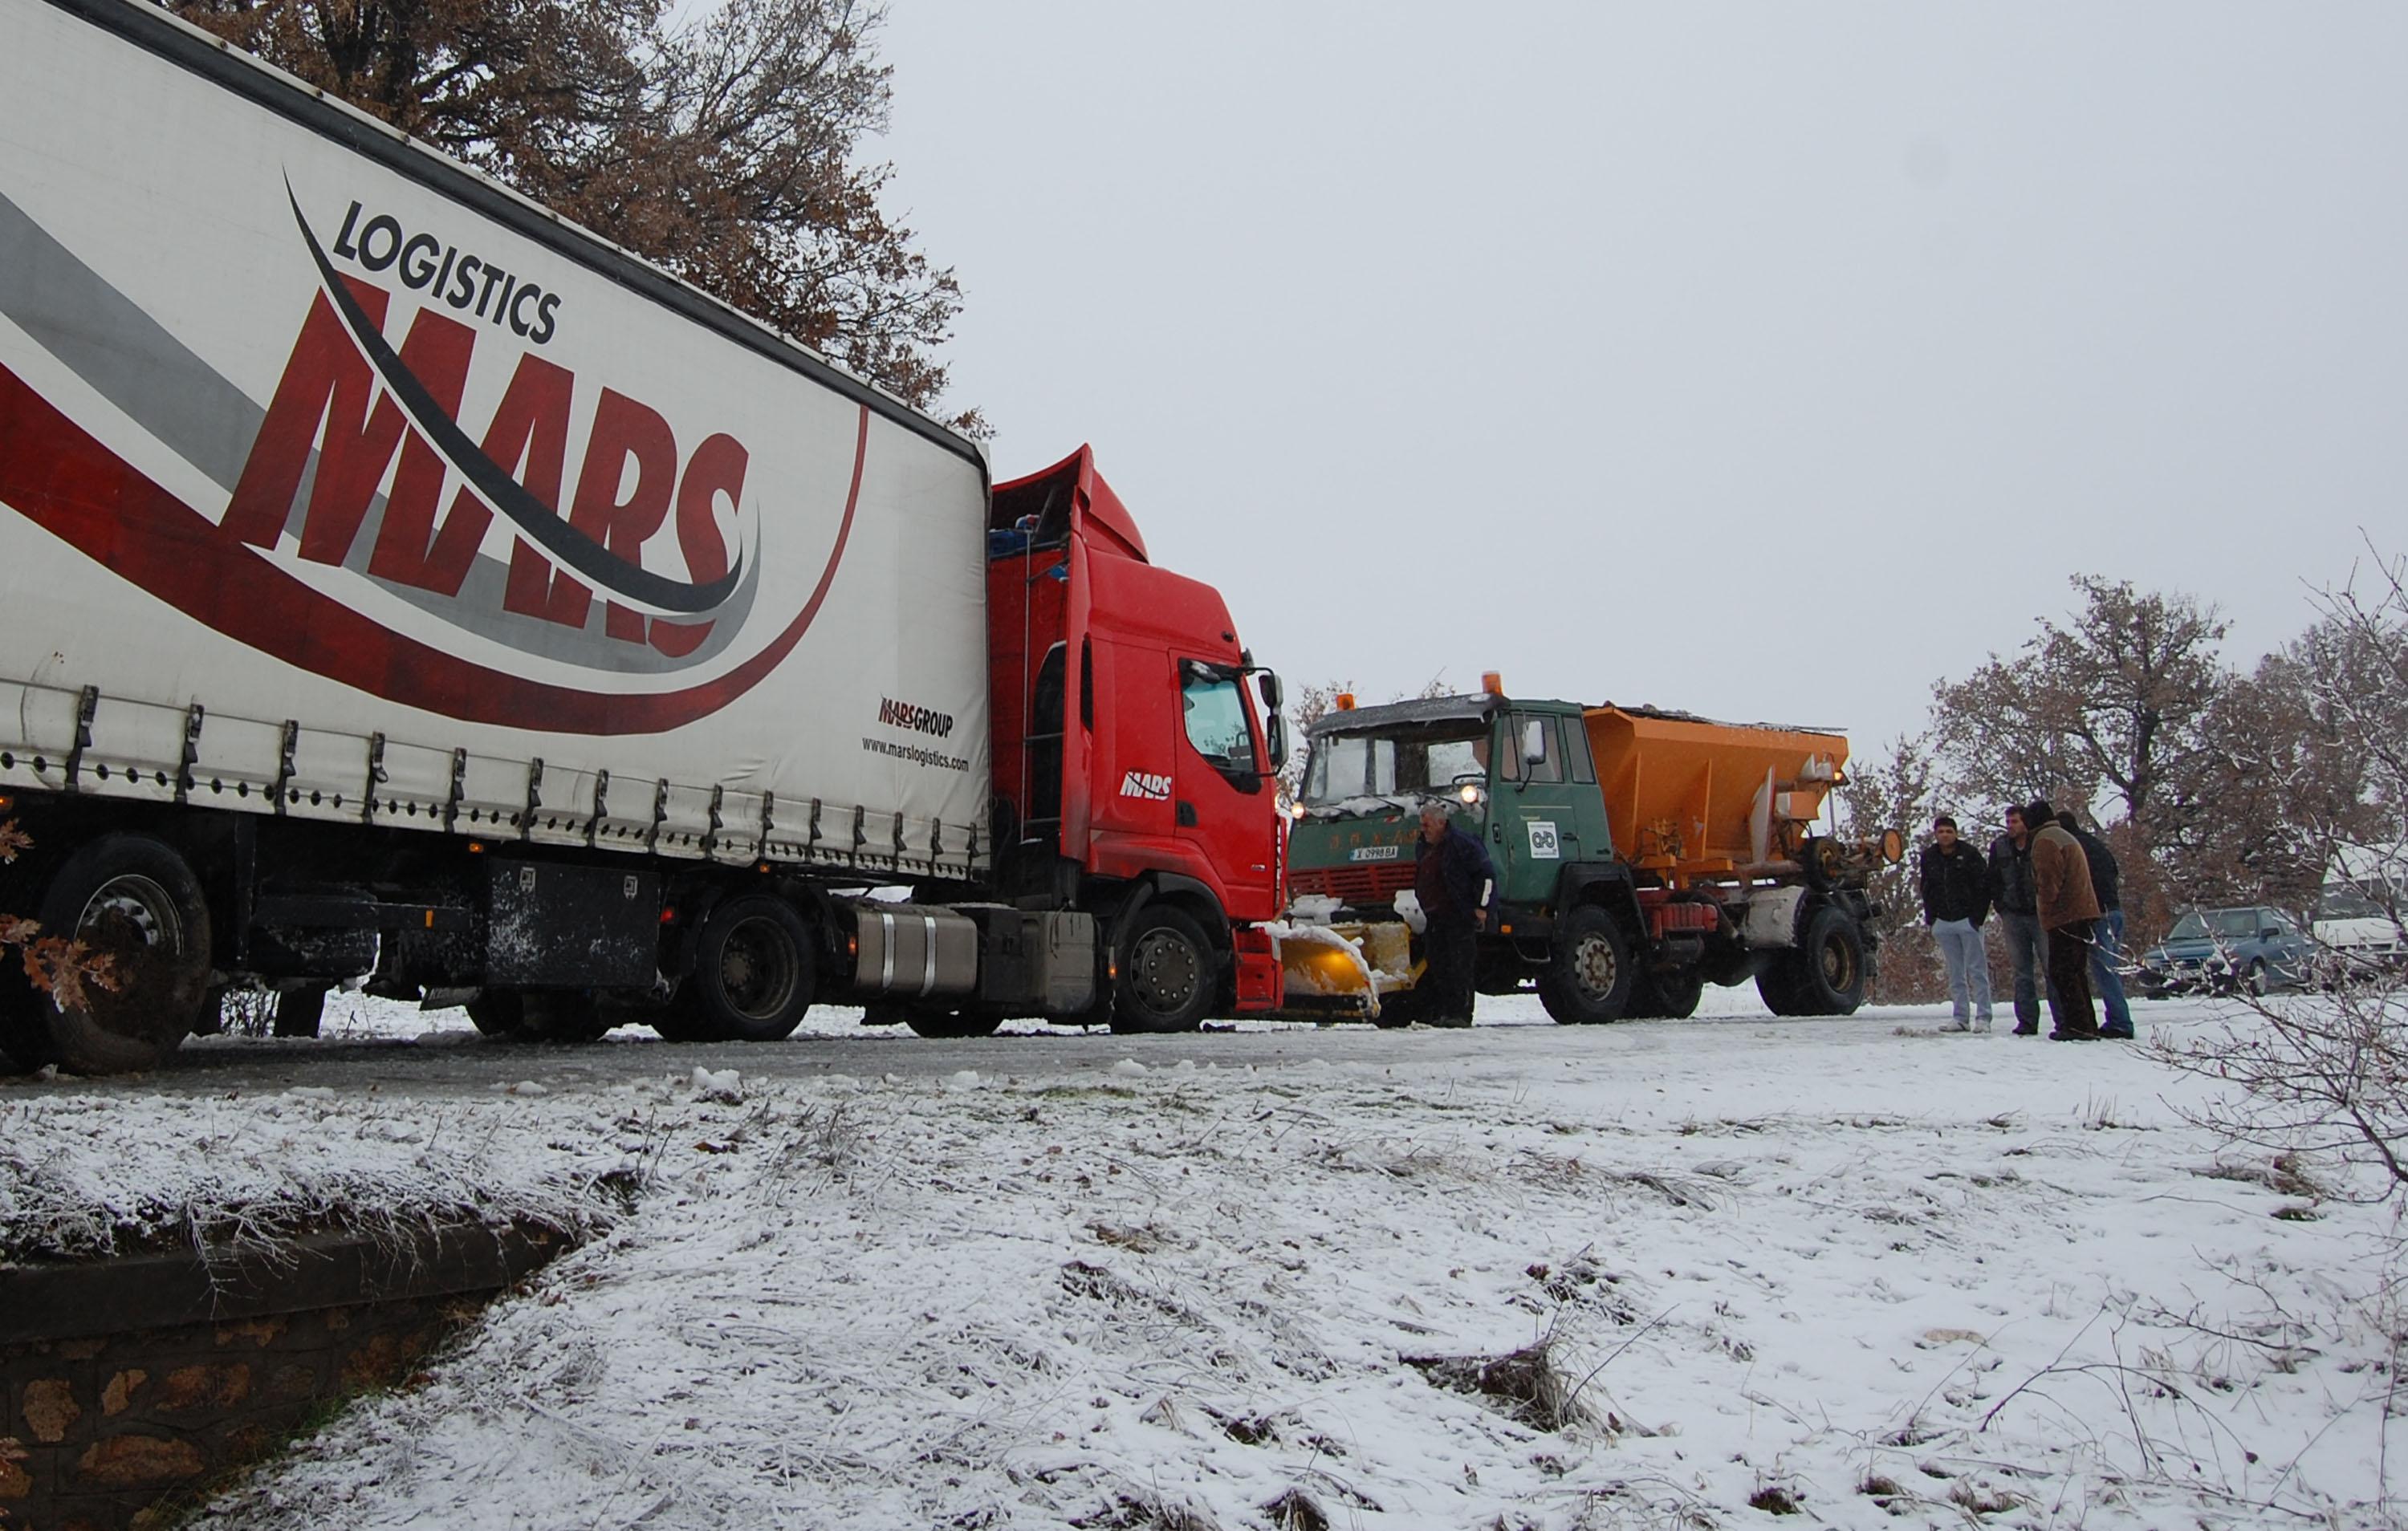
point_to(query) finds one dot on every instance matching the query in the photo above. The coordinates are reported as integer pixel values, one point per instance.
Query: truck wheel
(753, 973)
(1589, 981)
(1167, 973)
(951, 1026)
(131, 899)
(1830, 973)
(1777, 985)
(1670, 997)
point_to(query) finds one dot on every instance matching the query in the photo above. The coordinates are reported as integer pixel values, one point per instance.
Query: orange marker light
(1493, 682)
(1345, 701)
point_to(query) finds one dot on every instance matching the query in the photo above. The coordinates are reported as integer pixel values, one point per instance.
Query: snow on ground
(1858, 1267)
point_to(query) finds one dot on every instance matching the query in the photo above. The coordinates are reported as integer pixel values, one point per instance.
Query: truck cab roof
(1426, 709)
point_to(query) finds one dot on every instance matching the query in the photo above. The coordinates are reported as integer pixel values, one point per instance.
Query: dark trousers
(1446, 983)
(2070, 1004)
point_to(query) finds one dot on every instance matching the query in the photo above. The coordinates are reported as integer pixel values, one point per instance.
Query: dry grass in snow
(1674, 1274)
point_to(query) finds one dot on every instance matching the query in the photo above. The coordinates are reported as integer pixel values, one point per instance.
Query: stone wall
(129, 1383)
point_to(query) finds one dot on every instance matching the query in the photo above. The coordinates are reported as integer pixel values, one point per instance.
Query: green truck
(1642, 855)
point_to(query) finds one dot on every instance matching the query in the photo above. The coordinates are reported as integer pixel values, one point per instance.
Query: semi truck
(401, 585)
(1640, 854)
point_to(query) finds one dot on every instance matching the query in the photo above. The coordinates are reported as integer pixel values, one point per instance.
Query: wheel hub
(132, 906)
(756, 971)
(1165, 970)
(1593, 964)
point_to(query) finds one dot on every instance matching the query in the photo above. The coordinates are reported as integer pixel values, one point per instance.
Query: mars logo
(630, 476)
(353, 536)
(1146, 786)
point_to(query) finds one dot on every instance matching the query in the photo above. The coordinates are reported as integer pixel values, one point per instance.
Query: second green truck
(1641, 855)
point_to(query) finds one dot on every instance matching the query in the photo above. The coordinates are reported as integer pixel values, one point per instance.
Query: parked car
(2255, 950)
(2357, 920)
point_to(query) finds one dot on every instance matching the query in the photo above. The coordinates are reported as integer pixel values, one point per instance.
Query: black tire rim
(759, 968)
(1165, 970)
(1595, 966)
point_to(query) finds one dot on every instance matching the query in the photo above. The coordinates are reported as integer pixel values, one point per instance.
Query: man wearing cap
(1956, 901)
(1457, 883)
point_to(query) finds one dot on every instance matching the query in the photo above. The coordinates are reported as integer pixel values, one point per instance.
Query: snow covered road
(1856, 1268)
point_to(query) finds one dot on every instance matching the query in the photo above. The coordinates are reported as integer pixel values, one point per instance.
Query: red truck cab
(1136, 751)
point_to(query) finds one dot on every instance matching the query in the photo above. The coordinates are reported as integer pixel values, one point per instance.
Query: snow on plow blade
(1339, 971)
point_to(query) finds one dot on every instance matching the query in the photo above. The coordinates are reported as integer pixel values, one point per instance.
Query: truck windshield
(1408, 762)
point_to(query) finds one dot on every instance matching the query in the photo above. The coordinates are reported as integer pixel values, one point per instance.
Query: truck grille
(1376, 884)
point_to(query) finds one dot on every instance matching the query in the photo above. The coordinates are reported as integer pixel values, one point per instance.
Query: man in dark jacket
(2069, 910)
(1455, 882)
(1956, 901)
(2107, 936)
(2011, 895)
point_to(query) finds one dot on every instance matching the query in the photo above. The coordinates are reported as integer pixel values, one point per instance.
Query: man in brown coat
(2069, 908)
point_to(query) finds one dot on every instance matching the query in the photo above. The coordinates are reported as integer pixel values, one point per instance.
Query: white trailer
(358, 515)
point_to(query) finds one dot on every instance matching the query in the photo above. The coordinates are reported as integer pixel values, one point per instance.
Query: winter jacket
(1956, 885)
(1455, 878)
(2106, 878)
(2011, 878)
(2061, 876)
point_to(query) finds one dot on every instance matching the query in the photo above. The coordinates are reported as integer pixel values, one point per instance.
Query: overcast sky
(1766, 361)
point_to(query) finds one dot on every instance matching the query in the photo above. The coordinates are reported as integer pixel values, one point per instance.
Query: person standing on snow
(2069, 910)
(1455, 882)
(2011, 895)
(1956, 901)
(2107, 940)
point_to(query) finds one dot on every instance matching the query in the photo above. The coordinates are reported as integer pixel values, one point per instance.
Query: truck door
(1535, 822)
(1221, 776)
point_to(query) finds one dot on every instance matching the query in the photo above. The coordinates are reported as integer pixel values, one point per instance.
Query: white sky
(1767, 361)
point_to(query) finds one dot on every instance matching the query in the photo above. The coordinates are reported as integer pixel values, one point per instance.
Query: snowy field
(1858, 1270)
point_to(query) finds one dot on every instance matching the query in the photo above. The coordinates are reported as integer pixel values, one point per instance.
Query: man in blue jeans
(1955, 887)
(2107, 949)
(2018, 905)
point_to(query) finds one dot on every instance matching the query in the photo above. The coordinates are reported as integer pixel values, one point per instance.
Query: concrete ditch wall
(131, 1382)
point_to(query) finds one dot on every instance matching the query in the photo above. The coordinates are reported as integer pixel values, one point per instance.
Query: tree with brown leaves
(721, 149)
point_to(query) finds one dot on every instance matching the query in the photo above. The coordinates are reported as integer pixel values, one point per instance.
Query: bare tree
(724, 150)
(2327, 1074)
(1311, 702)
(1896, 792)
(2115, 701)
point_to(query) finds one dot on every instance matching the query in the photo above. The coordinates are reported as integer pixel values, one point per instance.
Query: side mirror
(2270, 934)
(1274, 695)
(1278, 739)
(1534, 741)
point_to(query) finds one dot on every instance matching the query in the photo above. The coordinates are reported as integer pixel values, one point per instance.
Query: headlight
(1471, 792)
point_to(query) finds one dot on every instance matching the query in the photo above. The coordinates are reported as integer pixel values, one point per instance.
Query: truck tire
(1830, 973)
(1668, 996)
(1588, 983)
(753, 973)
(1166, 973)
(131, 899)
(1778, 985)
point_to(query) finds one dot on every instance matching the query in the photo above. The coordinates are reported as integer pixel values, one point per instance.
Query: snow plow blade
(1340, 972)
